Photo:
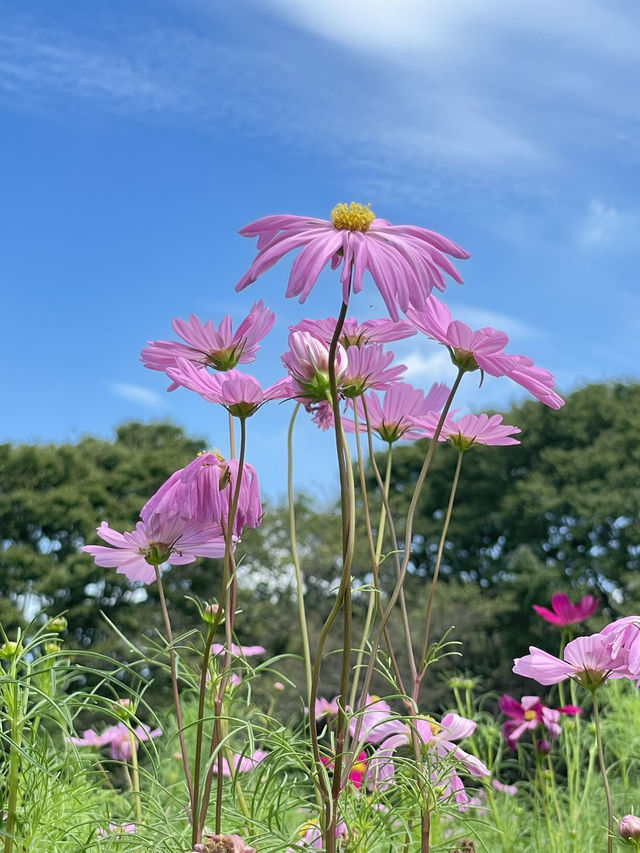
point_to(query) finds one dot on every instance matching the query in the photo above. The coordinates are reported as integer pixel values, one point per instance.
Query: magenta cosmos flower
(240, 394)
(589, 660)
(483, 349)
(206, 346)
(162, 539)
(405, 261)
(393, 418)
(355, 334)
(563, 612)
(528, 714)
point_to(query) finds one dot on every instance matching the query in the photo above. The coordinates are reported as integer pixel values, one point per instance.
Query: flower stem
(302, 616)
(603, 770)
(135, 772)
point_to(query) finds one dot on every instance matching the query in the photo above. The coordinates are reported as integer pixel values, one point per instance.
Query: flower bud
(629, 827)
(8, 650)
(543, 747)
(57, 625)
(50, 648)
(123, 709)
(210, 612)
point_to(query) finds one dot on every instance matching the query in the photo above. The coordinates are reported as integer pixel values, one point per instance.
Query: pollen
(352, 217)
(530, 715)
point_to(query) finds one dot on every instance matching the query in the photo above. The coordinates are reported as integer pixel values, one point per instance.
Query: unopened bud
(629, 827)
(8, 650)
(210, 612)
(124, 709)
(543, 747)
(278, 685)
(50, 648)
(57, 625)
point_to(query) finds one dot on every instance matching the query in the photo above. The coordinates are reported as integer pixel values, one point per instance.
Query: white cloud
(477, 318)
(605, 224)
(137, 394)
(424, 370)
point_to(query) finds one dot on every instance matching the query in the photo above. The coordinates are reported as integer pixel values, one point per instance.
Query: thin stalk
(14, 762)
(200, 725)
(436, 571)
(176, 691)
(603, 770)
(135, 771)
(302, 615)
(232, 437)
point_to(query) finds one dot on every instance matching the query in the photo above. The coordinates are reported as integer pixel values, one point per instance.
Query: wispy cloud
(605, 224)
(137, 394)
(424, 369)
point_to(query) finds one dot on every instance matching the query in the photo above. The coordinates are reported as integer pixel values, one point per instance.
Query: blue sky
(137, 138)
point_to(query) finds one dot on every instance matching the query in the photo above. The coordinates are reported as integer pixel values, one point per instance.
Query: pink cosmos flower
(590, 660)
(440, 740)
(511, 790)
(404, 261)
(238, 651)
(469, 430)
(356, 334)
(566, 613)
(368, 367)
(162, 539)
(307, 361)
(358, 768)
(117, 739)
(203, 490)
(623, 641)
(528, 714)
(116, 829)
(483, 349)
(241, 763)
(207, 346)
(393, 419)
(325, 707)
(239, 393)
(374, 722)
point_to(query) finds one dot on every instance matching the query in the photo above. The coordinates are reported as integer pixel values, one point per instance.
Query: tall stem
(436, 571)
(176, 691)
(135, 772)
(302, 615)
(603, 770)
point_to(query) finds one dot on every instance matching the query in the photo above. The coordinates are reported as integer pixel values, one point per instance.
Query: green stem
(176, 692)
(14, 762)
(302, 616)
(135, 787)
(603, 770)
(436, 571)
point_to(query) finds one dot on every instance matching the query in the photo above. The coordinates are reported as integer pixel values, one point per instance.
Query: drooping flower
(161, 539)
(356, 334)
(203, 491)
(589, 660)
(238, 392)
(528, 714)
(117, 738)
(405, 261)
(207, 346)
(483, 349)
(393, 418)
(563, 612)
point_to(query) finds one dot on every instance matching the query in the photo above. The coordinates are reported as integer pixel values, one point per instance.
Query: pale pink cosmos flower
(239, 393)
(528, 714)
(440, 740)
(369, 367)
(307, 362)
(203, 490)
(510, 790)
(116, 829)
(589, 660)
(207, 346)
(374, 722)
(483, 349)
(393, 418)
(238, 651)
(161, 539)
(405, 261)
(469, 430)
(623, 640)
(563, 612)
(117, 739)
(328, 707)
(241, 763)
(311, 835)
(355, 334)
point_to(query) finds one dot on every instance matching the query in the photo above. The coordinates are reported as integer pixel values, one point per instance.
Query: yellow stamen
(530, 715)
(435, 728)
(352, 217)
(214, 452)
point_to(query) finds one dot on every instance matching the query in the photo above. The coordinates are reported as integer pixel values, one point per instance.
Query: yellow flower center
(435, 728)
(352, 217)
(530, 715)
(214, 452)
